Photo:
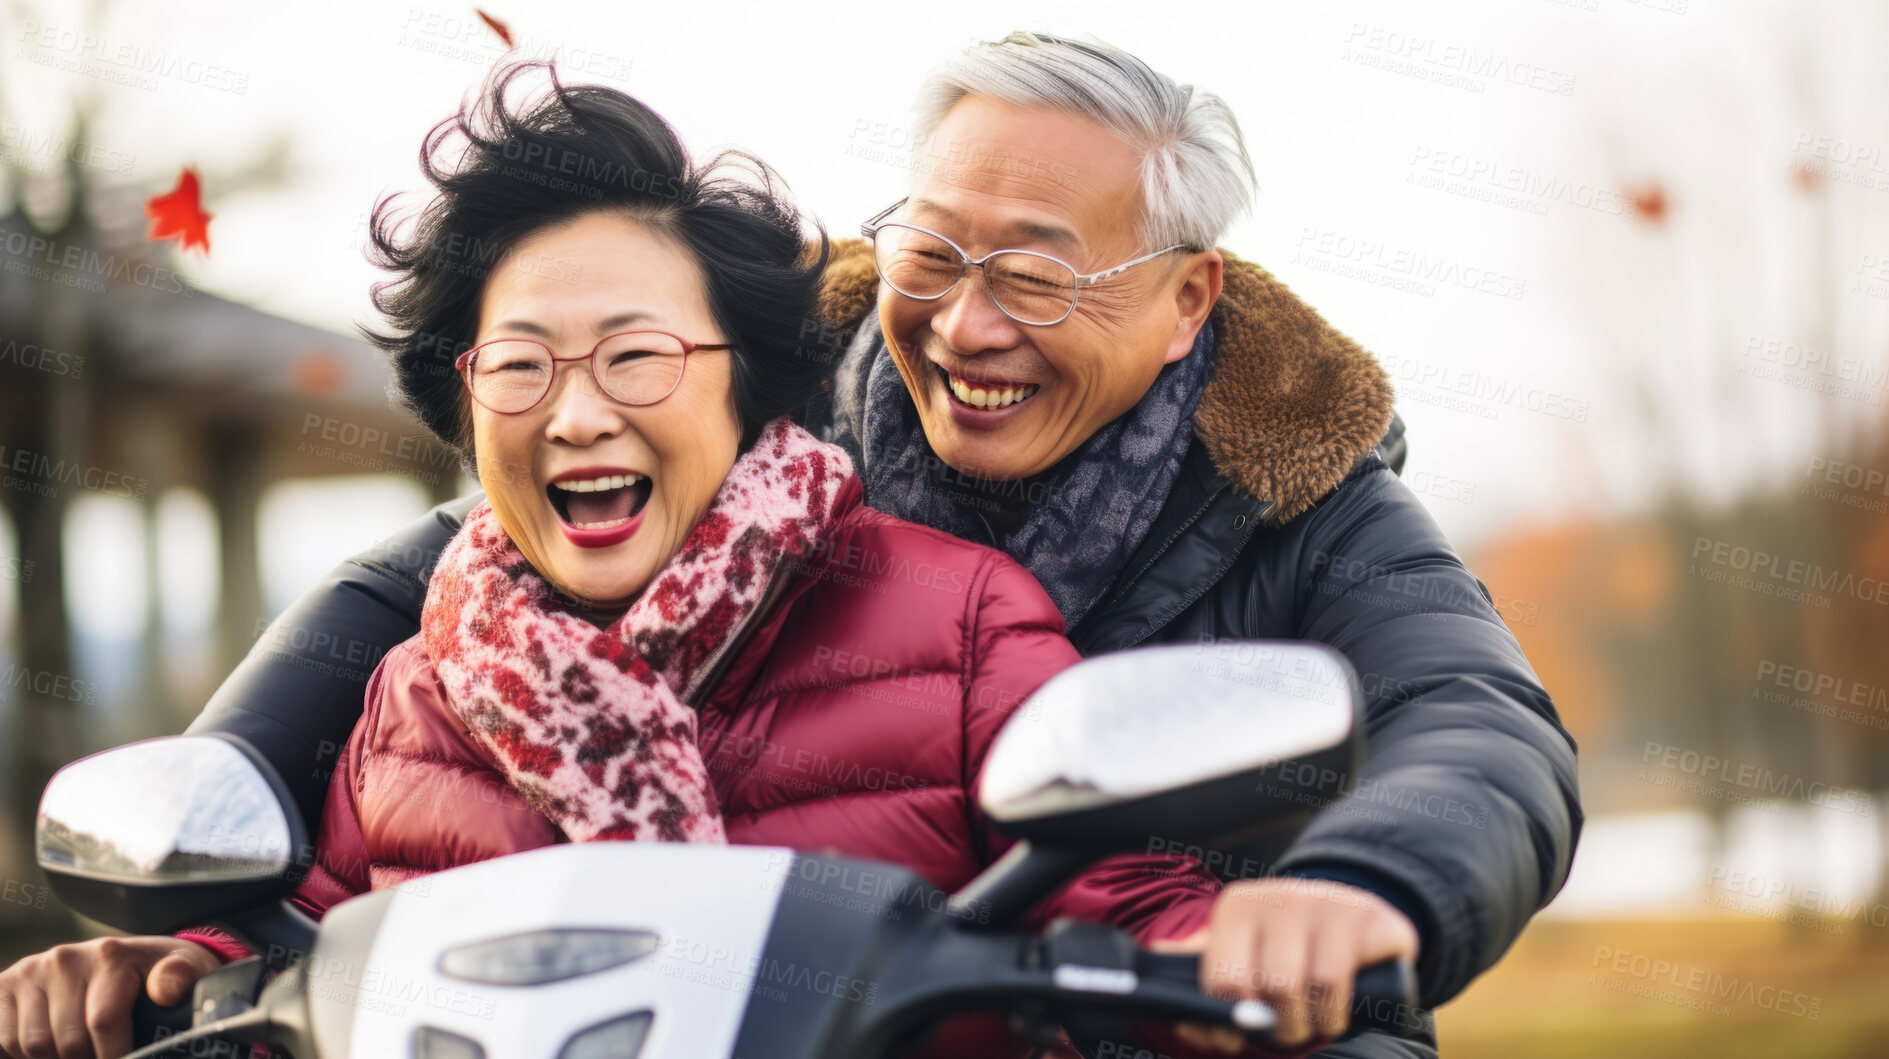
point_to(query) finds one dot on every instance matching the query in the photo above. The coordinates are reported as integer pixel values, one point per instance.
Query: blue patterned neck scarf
(1073, 526)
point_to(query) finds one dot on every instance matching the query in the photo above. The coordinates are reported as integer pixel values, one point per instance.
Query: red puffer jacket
(853, 720)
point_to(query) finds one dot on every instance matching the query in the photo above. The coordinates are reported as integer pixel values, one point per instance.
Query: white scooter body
(374, 977)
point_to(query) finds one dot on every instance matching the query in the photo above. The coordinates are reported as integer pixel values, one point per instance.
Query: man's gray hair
(1196, 178)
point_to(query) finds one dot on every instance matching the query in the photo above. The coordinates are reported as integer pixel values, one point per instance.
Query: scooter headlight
(543, 956)
(620, 1038)
(431, 1043)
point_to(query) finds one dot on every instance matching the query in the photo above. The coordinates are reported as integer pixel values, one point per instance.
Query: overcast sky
(1443, 181)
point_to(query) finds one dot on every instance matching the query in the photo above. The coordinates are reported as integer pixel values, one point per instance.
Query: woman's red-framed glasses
(511, 375)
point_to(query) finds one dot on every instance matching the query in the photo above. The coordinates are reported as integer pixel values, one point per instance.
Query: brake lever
(221, 995)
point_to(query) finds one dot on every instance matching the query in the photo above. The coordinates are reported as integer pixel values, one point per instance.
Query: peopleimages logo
(1498, 183)
(1755, 894)
(1756, 779)
(1483, 395)
(1694, 987)
(1793, 573)
(1819, 371)
(1823, 685)
(46, 684)
(84, 261)
(39, 151)
(25, 895)
(123, 61)
(1398, 267)
(1821, 694)
(38, 358)
(38, 473)
(1848, 484)
(1447, 62)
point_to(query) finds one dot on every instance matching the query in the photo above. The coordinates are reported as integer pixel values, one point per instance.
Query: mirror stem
(1003, 894)
(278, 932)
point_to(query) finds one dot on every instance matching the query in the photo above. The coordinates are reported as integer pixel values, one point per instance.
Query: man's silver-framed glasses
(1029, 287)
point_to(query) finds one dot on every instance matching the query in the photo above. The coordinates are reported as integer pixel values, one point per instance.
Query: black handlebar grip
(151, 1021)
(1182, 967)
(1383, 996)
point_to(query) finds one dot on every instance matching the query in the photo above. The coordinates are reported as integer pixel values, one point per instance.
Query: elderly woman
(672, 617)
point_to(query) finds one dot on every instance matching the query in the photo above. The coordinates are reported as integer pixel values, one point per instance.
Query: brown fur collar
(1292, 404)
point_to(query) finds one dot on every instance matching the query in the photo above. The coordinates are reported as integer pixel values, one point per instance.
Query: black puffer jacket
(1288, 522)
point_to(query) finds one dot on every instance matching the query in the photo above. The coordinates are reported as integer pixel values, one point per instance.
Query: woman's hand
(1295, 944)
(74, 1001)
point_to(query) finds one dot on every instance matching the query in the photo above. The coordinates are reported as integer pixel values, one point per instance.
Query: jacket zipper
(776, 588)
(1128, 585)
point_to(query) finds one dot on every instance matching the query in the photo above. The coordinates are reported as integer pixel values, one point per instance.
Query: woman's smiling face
(596, 493)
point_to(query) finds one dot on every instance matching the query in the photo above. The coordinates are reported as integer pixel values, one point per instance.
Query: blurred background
(1627, 262)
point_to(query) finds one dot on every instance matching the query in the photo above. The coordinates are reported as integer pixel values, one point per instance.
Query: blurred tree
(49, 422)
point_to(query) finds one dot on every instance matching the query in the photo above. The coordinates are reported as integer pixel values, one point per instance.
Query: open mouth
(601, 502)
(988, 393)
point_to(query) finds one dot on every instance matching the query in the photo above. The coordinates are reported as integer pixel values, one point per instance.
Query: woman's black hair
(505, 171)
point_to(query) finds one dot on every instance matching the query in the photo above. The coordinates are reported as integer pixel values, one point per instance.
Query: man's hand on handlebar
(1296, 945)
(74, 1001)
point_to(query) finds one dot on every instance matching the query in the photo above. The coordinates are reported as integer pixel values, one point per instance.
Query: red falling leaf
(497, 27)
(180, 215)
(1648, 202)
(1808, 180)
(318, 371)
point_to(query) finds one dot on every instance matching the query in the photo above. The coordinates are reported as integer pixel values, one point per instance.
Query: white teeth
(593, 485)
(977, 397)
(602, 525)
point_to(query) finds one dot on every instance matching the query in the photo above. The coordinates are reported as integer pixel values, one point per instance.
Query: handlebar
(152, 1022)
(1383, 995)
(1073, 973)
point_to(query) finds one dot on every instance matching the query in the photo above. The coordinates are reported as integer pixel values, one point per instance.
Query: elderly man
(1040, 348)
(1061, 364)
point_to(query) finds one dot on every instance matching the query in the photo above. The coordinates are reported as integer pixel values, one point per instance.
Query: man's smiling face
(1004, 400)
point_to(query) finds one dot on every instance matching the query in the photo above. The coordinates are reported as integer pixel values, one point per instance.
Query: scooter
(665, 951)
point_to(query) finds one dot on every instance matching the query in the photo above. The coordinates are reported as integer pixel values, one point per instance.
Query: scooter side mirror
(159, 835)
(1216, 743)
